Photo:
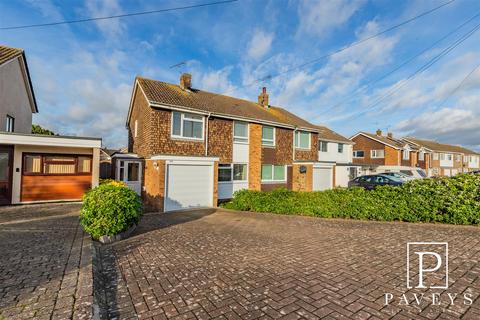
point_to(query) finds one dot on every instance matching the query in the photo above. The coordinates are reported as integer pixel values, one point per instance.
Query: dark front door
(6, 165)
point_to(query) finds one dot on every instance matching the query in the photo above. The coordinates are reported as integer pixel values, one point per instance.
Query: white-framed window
(232, 172)
(323, 146)
(340, 148)
(240, 131)
(136, 129)
(268, 136)
(421, 156)
(377, 154)
(449, 157)
(435, 156)
(302, 140)
(458, 157)
(274, 173)
(442, 156)
(187, 126)
(358, 154)
(10, 124)
(406, 155)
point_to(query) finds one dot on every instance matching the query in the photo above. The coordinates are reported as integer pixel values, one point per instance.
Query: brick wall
(154, 185)
(302, 181)
(255, 156)
(282, 153)
(220, 139)
(366, 144)
(392, 156)
(311, 155)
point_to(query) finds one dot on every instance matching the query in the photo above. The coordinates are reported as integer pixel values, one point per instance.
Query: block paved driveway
(232, 265)
(45, 263)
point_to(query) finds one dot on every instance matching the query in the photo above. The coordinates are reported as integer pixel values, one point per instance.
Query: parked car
(399, 175)
(372, 181)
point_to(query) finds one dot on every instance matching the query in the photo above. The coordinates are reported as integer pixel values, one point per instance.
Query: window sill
(268, 146)
(177, 138)
(273, 181)
(302, 149)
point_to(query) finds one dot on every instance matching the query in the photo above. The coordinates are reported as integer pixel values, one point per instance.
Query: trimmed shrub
(109, 209)
(454, 200)
(112, 181)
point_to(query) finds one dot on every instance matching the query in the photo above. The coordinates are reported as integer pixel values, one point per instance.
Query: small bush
(109, 209)
(454, 200)
(112, 182)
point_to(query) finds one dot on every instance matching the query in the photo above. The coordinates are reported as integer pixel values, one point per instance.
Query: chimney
(263, 98)
(390, 135)
(379, 132)
(185, 81)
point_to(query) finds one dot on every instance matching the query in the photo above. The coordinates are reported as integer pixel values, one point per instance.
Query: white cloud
(260, 44)
(111, 28)
(320, 18)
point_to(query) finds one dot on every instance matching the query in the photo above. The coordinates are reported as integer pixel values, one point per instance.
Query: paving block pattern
(230, 265)
(46, 263)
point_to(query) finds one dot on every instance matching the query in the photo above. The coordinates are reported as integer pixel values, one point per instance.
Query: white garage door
(189, 186)
(322, 178)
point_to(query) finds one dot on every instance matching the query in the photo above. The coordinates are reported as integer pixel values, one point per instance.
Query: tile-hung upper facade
(258, 146)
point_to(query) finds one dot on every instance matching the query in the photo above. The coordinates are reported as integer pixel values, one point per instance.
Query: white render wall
(14, 99)
(333, 155)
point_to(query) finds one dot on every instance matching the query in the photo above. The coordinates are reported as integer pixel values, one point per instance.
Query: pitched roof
(7, 53)
(325, 133)
(436, 146)
(396, 143)
(163, 93)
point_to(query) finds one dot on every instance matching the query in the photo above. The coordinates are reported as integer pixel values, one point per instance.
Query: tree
(36, 129)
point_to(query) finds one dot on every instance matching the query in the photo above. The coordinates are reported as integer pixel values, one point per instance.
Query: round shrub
(112, 181)
(109, 209)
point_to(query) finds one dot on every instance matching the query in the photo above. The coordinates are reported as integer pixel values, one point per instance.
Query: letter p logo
(427, 265)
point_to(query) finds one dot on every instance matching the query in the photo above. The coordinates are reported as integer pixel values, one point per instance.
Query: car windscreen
(422, 173)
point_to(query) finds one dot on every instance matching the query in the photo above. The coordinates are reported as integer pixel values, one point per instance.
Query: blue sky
(83, 73)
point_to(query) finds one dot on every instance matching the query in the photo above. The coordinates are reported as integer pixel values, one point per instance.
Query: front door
(130, 172)
(5, 175)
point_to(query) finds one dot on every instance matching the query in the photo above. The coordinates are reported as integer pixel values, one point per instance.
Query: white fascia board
(53, 141)
(321, 164)
(336, 141)
(126, 156)
(372, 138)
(184, 158)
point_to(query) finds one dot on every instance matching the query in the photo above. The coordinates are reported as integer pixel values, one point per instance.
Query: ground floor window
(232, 172)
(46, 164)
(274, 173)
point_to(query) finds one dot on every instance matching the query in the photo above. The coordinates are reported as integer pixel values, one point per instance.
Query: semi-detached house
(197, 147)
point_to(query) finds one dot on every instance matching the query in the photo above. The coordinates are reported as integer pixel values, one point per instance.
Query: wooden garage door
(47, 177)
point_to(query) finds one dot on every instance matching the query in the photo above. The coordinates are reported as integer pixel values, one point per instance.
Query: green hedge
(109, 209)
(454, 200)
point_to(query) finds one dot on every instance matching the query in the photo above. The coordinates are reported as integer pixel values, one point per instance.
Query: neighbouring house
(106, 156)
(195, 148)
(335, 154)
(377, 153)
(441, 159)
(37, 167)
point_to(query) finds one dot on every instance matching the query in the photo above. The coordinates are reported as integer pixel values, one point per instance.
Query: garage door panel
(322, 178)
(58, 187)
(189, 186)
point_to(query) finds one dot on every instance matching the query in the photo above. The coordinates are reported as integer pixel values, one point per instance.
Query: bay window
(187, 126)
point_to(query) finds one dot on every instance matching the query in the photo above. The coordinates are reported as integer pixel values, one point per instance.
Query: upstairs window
(377, 154)
(340, 148)
(421, 156)
(435, 156)
(457, 157)
(302, 140)
(187, 126)
(268, 136)
(406, 155)
(323, 146)
(240, 132)
(442, 156)
(358, 154)
(10, 124)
